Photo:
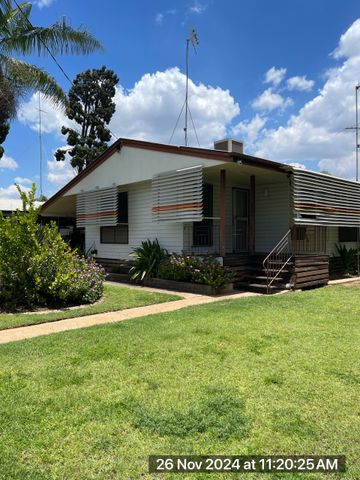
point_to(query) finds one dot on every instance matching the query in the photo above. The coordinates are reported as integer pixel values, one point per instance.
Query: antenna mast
(40, 147)
(194, 40)
(356, 128)
(357, 132)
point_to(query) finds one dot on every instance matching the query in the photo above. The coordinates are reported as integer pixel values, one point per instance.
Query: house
(270, 222)
(8, 206)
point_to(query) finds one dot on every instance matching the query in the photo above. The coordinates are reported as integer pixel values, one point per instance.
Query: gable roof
(207, 154)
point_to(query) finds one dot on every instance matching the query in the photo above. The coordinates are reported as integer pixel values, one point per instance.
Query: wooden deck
(304, 271)
(310, 271)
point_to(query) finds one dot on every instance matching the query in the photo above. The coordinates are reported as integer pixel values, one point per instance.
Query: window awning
(325, 200)
(98, 207)
(178, 195)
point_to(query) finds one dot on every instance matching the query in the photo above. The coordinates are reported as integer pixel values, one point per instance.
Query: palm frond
(27, 77)
(59, 38)
(12, 19)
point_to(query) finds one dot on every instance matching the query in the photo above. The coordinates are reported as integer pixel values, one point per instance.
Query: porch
(298, 260)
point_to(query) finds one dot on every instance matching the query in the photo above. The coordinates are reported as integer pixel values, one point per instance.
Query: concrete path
(341, 281)
(188, 300)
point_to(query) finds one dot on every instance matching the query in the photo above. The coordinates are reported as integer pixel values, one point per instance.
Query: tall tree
(19, 37)
(90, 105)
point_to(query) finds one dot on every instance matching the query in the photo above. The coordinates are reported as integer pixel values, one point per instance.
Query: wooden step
(271, 270)
(263, 277)
(262, 288)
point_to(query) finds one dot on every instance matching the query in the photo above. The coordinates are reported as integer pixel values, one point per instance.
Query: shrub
(348, 257)
(180, 267)
(37, 268)
(213, 274)
(185, 268)
(147, 260)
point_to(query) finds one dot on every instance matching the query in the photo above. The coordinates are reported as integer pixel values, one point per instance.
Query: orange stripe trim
(326, 208)
(177, 206)
(98, 214)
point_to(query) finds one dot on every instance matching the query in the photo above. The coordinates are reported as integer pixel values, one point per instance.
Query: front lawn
(115, 298)
(260, 375)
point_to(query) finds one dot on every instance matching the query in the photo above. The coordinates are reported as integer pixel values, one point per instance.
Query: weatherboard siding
(332, 239)
(272, 214)
(141, 227)
(133, 165)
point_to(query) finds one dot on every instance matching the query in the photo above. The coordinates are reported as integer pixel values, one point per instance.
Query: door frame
(233, 233)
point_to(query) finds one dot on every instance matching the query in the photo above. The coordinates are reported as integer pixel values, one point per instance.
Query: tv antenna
(356, 128)
(40, 146)
(193, 39)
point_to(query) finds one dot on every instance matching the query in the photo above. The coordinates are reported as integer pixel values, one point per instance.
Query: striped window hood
(325, 200)
(98, 207)
(178, 195)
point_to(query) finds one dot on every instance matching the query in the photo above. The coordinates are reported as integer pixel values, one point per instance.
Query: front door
(240, 221)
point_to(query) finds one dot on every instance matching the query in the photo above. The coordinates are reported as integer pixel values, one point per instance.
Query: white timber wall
(141, 227)
(332, 239)
(132, 165)
(272, 214)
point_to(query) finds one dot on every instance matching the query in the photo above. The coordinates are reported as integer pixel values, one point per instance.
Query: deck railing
(277, 260)
(204, 239)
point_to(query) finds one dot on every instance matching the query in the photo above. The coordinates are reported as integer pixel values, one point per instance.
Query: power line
(52, 55)
(44, 44)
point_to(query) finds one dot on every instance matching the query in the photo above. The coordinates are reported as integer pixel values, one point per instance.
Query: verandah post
(252, 214)
(222, 212)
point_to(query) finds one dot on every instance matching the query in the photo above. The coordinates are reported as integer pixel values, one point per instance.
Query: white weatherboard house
(279, 222)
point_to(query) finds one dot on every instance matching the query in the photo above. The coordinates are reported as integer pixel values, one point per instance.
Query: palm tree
(19, 37)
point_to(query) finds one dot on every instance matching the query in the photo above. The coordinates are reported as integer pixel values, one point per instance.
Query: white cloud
(270, 100)
(12, 192)
(316, 136)
(23, 180)
(298, 165)
(8, 163)
(53, 117)
(349, 42)
(275, 75)
(61, 172)
(198, 7)
(43, 3)
(149, 110)
(250, 128)
(300, 83)
(159, 18)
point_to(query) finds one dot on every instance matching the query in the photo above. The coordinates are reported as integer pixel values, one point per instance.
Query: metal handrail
(275, 262)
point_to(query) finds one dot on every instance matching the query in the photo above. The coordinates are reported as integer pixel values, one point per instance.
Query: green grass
(116, 298)
(261, 375)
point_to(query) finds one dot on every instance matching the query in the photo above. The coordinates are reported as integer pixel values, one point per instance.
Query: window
(298, 233)
(348, 234)
(122, 207)
(120, 232)
(203, 231)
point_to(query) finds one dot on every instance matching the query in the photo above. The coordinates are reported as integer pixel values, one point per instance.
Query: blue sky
(280, 75)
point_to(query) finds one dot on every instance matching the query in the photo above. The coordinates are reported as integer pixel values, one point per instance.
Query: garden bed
(189, 287)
